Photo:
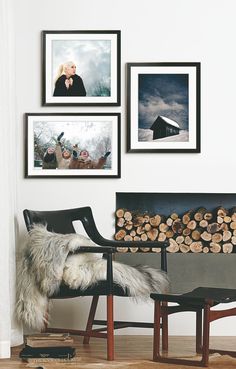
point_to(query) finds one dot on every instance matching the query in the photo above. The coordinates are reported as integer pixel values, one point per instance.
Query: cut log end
(174, 247)
(122, 249)
(120, 213)
(133, 249)
(128, 215)
(152, 234)
(215, 247)
(156, 249)
(228, 248)
(120, 234)
(196, 247)
(184, 248)
(156, 220)
(120, 222)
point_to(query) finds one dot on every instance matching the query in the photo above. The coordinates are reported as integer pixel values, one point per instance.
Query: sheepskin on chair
(46, 261)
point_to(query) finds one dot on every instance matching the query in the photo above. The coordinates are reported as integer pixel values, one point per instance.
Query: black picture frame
(96, 133)
(97, 56)
(157, 93)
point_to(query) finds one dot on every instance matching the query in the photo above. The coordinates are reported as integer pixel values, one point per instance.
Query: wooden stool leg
(199, 331)
(157, 328)
(164, 325)
(206, 332)
(110, 328)
(91, 316)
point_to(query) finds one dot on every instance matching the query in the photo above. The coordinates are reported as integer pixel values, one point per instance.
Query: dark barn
(164, 127)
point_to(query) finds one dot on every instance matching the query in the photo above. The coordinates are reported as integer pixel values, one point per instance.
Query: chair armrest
(96, 237)
(95, 249)
(139, 244)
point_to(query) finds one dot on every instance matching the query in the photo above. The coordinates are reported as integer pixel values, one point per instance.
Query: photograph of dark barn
(163, 107)
(164, 127)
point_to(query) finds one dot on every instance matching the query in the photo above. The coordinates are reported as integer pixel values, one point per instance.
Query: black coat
(77, 88)
(49, 161)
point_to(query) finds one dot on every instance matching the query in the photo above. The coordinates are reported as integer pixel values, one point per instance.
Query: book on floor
(47, 352)
(49, 340)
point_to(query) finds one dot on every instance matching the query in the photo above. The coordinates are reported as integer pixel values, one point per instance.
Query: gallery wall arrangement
(83, 68)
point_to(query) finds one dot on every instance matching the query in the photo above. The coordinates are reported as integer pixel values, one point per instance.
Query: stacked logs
(197, 230)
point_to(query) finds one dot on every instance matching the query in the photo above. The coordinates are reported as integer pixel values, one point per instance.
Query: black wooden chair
(61, 221)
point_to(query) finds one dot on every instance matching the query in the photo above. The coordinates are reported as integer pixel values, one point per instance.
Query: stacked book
(48, 345)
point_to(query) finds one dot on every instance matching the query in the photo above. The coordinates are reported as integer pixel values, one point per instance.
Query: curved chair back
(61, 221)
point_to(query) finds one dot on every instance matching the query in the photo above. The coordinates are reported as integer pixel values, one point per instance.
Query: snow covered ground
(147, 134)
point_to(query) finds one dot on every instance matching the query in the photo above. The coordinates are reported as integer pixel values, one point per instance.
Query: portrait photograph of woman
(81, 67)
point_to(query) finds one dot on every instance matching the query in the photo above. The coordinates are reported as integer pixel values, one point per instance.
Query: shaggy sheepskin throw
(47, 260)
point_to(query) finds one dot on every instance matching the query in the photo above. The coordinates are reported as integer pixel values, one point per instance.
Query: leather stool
(200, 300)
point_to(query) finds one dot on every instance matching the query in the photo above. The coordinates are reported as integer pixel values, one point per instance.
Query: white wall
(152, 31)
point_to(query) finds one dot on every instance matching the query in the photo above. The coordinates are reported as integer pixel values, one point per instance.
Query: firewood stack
(197, 230)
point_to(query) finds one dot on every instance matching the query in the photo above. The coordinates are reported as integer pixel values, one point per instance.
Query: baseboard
(16, 337)
(5, 349)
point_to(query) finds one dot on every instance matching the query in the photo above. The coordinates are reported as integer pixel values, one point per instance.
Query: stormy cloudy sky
(92, 59)
(163, 94)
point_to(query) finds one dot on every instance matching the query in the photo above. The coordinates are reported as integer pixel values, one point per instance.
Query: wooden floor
(131, 352)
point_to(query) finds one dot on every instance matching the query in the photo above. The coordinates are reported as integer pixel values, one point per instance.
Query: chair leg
(91, 316)
(164, 313)
(157, 328)
(206, 332)
(110, 328)
(199, 331)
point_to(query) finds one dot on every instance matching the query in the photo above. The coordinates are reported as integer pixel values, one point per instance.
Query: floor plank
(129, 350)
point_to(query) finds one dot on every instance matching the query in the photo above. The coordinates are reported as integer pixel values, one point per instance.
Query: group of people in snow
(59, 157)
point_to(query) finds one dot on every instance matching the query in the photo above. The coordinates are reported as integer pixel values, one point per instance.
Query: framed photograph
(81, 68)
(72, 145)
(163, 107)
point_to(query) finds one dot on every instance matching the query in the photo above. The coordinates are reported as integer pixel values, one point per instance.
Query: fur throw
(46, 261)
